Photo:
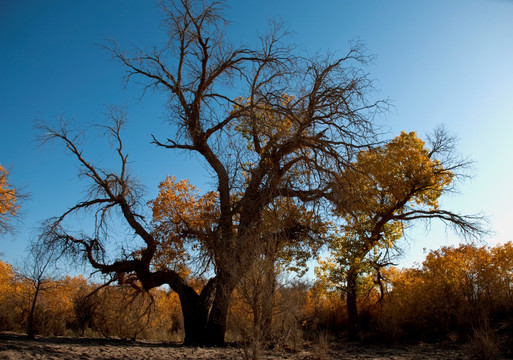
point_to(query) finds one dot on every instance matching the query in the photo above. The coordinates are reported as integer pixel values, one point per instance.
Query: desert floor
(14, 346)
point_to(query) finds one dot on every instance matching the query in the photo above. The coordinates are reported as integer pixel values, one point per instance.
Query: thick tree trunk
(195, 311)
(351, 305)
(195, 322)
(216, 327)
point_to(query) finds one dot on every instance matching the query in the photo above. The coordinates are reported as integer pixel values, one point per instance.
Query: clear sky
(438, 61)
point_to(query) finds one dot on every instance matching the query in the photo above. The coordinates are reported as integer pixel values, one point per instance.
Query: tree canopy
(376, 198)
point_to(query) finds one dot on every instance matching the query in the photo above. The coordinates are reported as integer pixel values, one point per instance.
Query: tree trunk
(216, 327)
(30, 324)
(351, 305)
(195, 311)
(195, 322)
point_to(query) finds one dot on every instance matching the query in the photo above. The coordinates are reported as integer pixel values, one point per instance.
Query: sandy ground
(13, 346)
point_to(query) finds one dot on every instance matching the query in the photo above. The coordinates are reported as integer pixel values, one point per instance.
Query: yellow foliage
(263, 126)
(8, 200)
(384, 183)
(11, 289)
(180, 213)
(373, 196)
(73, 305)
(391, 178)
(7, 281)
(455, 290)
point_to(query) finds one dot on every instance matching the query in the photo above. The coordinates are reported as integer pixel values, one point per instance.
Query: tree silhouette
(297, 120)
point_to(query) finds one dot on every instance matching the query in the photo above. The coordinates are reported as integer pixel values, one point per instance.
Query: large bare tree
(268, 123)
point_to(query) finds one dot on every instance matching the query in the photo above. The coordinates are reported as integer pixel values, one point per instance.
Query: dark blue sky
(438, 61)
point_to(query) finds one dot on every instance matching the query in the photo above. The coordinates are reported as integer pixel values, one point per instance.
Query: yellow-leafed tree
(10, 288)
(386, 188)
(181, 215)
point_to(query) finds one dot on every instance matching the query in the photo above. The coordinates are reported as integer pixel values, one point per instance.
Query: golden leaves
(374, 195)
(8, 205)
(180, 213)
(390, 179)
(454, 287)
(180, 202)
(7, 279)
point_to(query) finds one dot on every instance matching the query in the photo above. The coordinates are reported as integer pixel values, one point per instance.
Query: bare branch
(468, 226)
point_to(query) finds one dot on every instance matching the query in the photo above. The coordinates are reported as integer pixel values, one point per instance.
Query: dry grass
(483, 345)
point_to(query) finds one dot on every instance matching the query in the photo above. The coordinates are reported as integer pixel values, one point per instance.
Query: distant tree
(259, 147)
(8, 202)
(460, 291)
(38, 272)
(384, 190)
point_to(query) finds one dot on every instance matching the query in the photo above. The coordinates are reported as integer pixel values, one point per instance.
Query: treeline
(462, 294)
(73, 306)
(458, 293)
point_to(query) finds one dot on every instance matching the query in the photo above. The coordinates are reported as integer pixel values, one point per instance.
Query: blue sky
(438, 61)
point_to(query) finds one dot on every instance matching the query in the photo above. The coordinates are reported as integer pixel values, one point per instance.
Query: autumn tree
(184, 223)
(320, 117)
(8, 202)
(386, 189)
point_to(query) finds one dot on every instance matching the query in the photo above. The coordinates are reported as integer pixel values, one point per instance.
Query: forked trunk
(195, 311)
(195, 318)
(205, 315)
